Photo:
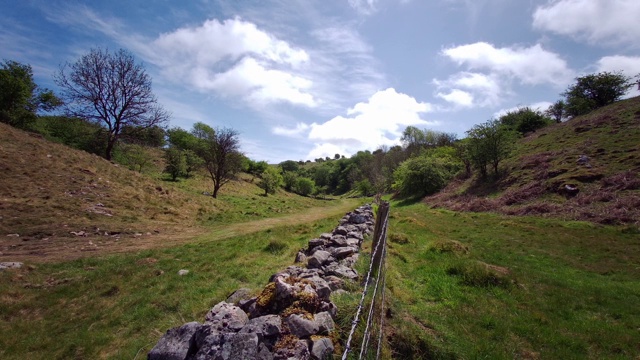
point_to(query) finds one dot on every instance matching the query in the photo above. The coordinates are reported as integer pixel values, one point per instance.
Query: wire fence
(370, 331)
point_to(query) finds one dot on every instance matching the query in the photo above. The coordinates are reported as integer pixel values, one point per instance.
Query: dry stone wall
(293, 316)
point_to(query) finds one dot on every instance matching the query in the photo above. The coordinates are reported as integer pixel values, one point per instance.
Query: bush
(305, 186)
(421, 176)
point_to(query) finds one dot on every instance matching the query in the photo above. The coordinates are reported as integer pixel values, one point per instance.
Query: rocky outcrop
(291, 318)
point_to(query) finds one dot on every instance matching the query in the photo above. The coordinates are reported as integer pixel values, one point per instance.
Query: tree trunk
(110, 145)
(215, 191)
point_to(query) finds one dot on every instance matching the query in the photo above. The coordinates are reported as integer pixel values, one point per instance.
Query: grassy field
(118, 306)
(483, 286)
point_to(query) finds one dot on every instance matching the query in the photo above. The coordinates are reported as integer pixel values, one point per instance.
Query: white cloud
(610, 21)
(470, 89)
(629, 65)
(342, 67)
(326, 149)
(296, 131)
(235, 59)
(379, 121)
(457, 97)
(533, 65)
(365, 7)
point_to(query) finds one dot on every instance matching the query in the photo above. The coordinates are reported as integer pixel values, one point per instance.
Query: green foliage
(414, 139)
(271, 180)
(176, 162)
(73, 132)
(557, 111)
(594, 91)
(489, 144)
(524, 120)
(305, 186)
(20, 97)
(220, 152)
(290, 180)
(289, 165)
(193, 162)
(256, 168)
(153, 136)
(365, 188)
(182, 139)
(420, 176)
(136, 157)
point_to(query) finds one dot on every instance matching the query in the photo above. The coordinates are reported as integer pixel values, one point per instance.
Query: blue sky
(306, 79)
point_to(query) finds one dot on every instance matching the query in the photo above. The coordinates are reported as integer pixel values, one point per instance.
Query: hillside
(57, 202)
(583, 169)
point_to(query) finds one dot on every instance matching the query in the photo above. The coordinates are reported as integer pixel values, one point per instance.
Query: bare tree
(111, 89)
(220, 150)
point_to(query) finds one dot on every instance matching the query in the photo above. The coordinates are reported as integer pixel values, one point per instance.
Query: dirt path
(70, 248)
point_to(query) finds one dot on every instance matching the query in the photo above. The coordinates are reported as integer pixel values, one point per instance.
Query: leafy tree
(256, 168)
(556, 111)
(420, 176)
(220, 151)
(193, 162)
(73, 132)
(365, 188)
(289, 165)
(463, 154)
(290, 180)
(152, 136)
(182, 139)
(134, 156)
(524, 120)
(414, 139)
(111, 89)
(593, 91)
(176, 163)
(20, 97)
(271, 180)
(305, 186)
(489, 144)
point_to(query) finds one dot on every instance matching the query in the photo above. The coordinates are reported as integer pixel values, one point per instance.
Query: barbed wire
(366, 335)
(380, 246)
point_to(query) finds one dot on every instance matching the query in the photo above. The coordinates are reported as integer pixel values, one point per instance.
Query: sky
(303, 79)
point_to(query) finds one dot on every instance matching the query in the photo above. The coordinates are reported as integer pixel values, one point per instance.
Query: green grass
(483, 286)
(119, 306)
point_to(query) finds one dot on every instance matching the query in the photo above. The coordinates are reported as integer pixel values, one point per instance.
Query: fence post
(378, 233)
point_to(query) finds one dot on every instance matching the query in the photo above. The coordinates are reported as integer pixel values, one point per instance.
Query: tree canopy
(20, 97)
(594, 91)
(111, 89)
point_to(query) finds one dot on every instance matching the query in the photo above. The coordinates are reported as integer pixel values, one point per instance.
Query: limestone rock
(10, 265)
(321, 348)
(325, 323)
(225, 316)
(318, 259)
(301, 327)
(340, 230)
(238, 295)
(264, 326)
(176, 344)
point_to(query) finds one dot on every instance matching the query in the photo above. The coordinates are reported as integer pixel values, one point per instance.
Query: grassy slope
(48, 190)
(545, 161)
(108, 296)
(471, 285)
